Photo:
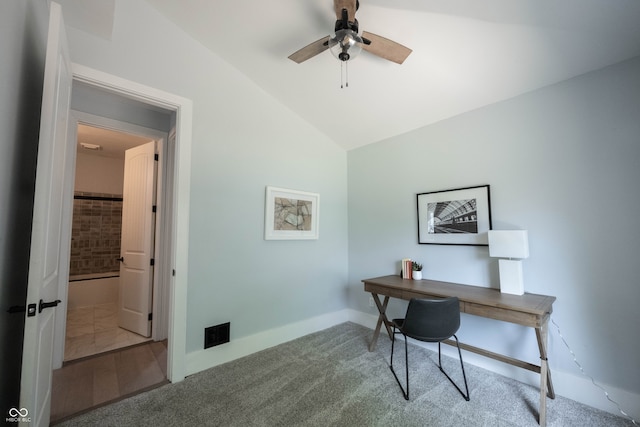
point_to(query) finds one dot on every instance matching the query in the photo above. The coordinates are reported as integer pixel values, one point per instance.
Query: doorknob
(121, 259)
(17, 309)
(44, 305)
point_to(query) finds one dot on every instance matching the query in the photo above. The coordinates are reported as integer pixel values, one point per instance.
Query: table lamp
(510, 244)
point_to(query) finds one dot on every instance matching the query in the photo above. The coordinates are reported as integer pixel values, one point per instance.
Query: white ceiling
(466, 54)
(111, 143)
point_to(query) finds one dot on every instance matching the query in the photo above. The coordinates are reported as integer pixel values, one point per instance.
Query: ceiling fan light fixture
(345, 45)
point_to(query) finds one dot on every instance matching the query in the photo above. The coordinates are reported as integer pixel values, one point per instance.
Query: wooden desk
(528, 310)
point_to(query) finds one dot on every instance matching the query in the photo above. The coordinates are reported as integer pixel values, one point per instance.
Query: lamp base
(511, 277)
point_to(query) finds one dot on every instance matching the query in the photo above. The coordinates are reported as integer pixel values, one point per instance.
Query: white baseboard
(204, 359)
(581, 389)
(571, 386)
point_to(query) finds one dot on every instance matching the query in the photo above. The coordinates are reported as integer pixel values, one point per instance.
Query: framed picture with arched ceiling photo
(460, 216)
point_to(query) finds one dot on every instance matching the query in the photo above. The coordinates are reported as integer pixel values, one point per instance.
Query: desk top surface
(529, 303)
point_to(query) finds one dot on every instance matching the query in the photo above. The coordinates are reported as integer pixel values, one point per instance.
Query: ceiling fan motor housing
(346, 37)
(345, 24)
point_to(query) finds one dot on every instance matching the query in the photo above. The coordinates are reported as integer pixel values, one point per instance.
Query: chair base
(464, 376)
(405, 392)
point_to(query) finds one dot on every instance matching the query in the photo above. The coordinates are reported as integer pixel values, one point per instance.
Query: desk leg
(382, 318)
(546, 386)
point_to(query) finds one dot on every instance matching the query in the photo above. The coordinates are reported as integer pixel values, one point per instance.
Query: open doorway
(107, 101)
(43, 338)
(95, 283)
(102, 99)
(110, 103)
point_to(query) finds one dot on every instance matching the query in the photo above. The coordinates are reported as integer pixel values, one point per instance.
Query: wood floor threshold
(118, 399)
(104, 353)
(118, 374)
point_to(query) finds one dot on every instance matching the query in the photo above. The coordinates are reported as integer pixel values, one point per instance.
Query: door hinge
(153, 262)
(150, 317)
(154, 208)
(156, 157)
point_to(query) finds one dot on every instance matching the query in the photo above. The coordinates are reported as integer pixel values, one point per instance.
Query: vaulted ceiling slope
(466, 54)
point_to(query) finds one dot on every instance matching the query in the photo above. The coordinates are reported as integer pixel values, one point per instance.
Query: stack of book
(407, 268)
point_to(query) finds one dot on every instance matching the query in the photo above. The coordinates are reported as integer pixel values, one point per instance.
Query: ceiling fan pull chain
(346, 70)
(344, 74)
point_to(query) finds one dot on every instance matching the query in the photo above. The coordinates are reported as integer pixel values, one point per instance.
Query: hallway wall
(97, 215)
(99, 174)
(96, 233)
(90, 292)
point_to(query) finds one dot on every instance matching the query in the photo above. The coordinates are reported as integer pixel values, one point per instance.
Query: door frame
(178, 204)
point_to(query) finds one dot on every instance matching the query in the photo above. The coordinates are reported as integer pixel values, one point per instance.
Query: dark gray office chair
(430, 320)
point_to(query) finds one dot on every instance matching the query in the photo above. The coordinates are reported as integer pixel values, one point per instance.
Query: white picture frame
(291, 214)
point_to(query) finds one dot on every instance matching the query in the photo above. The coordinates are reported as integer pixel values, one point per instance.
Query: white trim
(176, 358)
(60, 325)
(163, 247)
(117, 125)
(204, 359)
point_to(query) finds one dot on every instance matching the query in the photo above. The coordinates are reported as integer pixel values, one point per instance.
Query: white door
(138, 225)
(46, 239)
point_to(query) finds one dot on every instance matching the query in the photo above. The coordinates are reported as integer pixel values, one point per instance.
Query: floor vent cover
(216, 335)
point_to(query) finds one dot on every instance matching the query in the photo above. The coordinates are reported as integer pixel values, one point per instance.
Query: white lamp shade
(508, 244)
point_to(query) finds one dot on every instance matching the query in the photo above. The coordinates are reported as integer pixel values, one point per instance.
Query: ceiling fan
(346, 43)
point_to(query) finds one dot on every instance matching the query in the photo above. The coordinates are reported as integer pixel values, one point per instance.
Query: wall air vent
(216, 335)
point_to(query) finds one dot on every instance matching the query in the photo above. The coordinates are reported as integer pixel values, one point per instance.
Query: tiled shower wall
(95, 235)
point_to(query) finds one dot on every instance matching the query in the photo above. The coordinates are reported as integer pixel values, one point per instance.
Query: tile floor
(92, 330)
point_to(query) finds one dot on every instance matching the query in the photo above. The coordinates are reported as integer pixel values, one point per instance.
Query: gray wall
(564, 163)
(23, 28)
(243, 140)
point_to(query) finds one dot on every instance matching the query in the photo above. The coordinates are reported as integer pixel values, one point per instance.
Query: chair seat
(399, 323)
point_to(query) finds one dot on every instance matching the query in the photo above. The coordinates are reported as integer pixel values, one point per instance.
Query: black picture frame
(460, 216)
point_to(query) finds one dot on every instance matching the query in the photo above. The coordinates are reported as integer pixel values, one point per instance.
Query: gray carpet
(329, 378)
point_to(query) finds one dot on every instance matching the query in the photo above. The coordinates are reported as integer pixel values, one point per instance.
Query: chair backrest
(432, 320)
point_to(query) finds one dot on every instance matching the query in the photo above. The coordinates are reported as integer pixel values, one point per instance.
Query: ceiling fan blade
(310, 50)
(350, 5)
(385, 48)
